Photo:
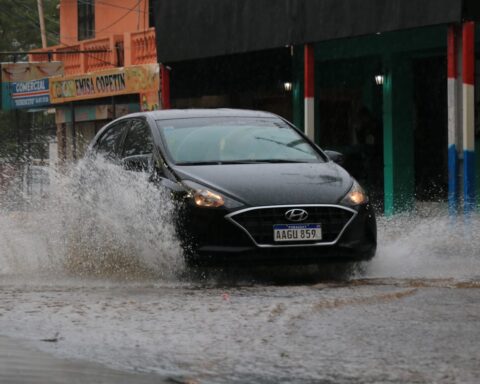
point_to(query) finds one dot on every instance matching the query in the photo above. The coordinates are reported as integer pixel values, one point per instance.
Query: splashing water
(96, 220)
(430, 246)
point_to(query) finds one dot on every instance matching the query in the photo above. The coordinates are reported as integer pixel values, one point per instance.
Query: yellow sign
(111, 82)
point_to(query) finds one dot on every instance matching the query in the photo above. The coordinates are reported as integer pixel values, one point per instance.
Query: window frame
(85, 20)
(118, 146)
(127, 130)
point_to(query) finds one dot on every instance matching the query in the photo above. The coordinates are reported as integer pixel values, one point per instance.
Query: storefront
(368, 78)
(85, 103)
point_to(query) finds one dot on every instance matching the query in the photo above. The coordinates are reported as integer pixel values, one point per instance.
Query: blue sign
(29, 94)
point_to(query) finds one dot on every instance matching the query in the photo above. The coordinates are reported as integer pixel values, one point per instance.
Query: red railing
(72, 62)
(143, 47)
(132, 48)
(101, 60)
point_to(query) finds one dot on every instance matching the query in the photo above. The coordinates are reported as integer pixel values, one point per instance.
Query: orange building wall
(111, 17)
(68, 22)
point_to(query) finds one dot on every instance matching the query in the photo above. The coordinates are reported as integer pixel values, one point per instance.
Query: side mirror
(336, 157)
(139, 163)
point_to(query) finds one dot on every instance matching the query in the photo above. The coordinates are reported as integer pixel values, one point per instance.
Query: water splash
(429, 245)
(96, 220)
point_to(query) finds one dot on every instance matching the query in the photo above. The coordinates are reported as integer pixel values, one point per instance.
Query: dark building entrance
(431, 157)
(251, 81)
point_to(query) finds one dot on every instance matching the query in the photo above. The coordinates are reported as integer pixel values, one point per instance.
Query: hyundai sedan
(250, 187)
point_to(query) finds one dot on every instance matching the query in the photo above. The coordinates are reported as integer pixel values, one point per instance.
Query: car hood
(273, 184)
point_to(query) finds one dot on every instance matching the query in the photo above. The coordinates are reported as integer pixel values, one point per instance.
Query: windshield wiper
(273, 161)
(228, 162)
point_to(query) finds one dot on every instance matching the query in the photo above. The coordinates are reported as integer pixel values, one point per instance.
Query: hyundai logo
(296, 215)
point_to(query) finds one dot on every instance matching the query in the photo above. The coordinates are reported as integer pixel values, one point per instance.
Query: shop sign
(112, 82)
(26, 85)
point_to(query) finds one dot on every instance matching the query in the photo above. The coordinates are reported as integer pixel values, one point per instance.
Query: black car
(250, 185)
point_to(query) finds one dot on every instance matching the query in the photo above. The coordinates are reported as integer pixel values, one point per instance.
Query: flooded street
(367, 330)
(103, 290)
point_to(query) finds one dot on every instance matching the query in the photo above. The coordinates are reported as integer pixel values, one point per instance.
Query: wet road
(22, 364)
(96, 285)
(375, 330)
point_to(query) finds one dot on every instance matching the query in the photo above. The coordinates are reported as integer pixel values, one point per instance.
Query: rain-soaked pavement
(377, 330)
(93, 290)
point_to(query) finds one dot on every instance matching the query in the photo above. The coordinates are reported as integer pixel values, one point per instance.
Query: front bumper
(213, 236)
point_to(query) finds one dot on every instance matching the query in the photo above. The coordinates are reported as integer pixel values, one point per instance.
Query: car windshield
(229, 140)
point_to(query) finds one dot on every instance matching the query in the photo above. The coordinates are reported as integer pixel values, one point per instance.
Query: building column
(461, 117)
(454, 117)
(297, 88)
(468, 124)
(398, 142)
(309, 92)
(165, 86)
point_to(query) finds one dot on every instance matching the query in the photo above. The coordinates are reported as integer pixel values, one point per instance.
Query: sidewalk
(22, 365)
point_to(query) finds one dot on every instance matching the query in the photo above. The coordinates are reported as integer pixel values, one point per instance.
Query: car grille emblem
(296, 215)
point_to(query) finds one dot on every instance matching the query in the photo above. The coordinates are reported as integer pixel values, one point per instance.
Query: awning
(192, 29)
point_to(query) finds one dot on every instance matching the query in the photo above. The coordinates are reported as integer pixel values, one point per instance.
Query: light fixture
(379, 79)
(287, 86)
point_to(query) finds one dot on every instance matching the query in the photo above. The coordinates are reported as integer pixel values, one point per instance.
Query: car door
(137, 149)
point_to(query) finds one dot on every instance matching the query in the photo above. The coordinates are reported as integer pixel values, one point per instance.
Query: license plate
(297, 232)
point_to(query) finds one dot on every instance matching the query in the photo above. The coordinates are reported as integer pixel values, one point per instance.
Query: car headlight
(355, 196)
(205, 197)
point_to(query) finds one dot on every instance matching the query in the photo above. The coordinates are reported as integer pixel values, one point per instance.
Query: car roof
(168, 114)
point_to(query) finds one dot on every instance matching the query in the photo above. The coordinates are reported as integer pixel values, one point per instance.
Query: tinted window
(109, 142)
(138, 140)
(206, 140)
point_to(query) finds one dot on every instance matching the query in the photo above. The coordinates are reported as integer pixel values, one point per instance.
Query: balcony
(143, 47)
(131, 48)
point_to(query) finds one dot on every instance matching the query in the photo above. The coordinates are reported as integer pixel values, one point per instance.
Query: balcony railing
(143, 47)
(131, 48)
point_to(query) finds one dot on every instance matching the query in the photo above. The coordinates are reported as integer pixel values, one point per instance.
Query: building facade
(389, 83)
(110, 66)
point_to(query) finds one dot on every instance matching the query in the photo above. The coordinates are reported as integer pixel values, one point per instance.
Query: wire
(57, 35)
(29, 8)
(91, 2)
(121, 17)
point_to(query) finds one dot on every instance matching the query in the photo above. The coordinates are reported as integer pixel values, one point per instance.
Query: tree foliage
(20, 32)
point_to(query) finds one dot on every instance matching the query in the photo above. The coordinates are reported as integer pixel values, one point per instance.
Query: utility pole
(42, 23)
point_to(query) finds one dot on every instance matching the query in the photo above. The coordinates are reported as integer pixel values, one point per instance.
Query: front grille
(259, 222)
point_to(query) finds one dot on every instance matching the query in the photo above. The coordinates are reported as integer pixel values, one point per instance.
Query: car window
(109, 142)
(223, 140)
(138, 140)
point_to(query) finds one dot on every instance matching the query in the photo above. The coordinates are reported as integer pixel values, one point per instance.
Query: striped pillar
(309, 91)
(468, 124)
(454, 119)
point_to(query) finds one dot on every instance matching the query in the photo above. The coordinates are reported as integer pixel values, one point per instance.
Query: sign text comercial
(26, 85)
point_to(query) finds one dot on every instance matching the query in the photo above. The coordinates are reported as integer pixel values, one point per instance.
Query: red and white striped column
(309, 88)
(454, 117)
(468, 105)
(461, 116)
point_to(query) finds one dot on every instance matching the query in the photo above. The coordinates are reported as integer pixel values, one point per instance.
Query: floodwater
(92, 273)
